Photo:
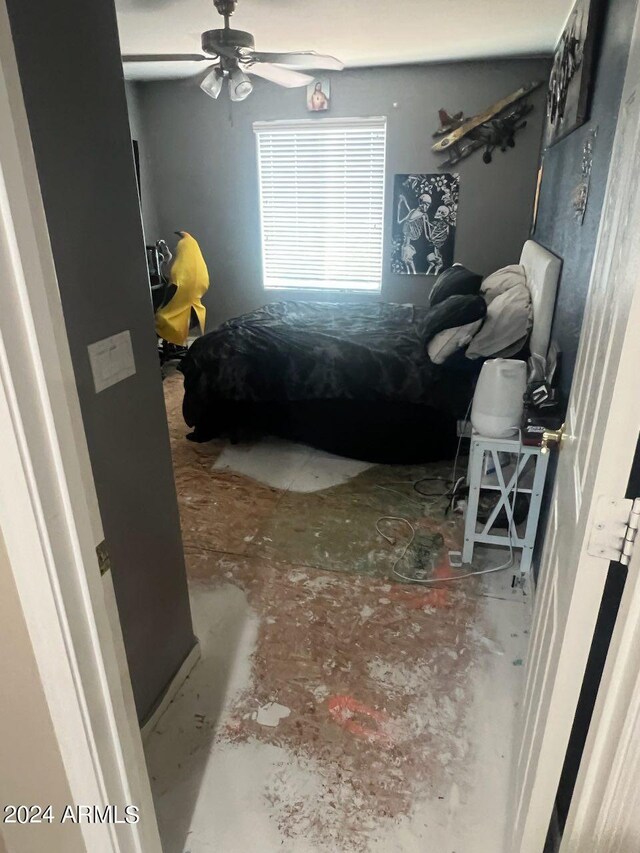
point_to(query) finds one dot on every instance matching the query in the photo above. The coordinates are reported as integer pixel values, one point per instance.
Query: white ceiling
(359, 32)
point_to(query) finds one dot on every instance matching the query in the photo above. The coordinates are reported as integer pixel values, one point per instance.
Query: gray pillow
(514, 349)
(502, 280)
(509, 320)
(445, 343)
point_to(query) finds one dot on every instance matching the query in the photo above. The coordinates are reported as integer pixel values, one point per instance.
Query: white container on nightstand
(497, 406)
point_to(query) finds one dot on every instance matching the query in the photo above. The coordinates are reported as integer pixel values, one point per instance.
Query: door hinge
(614, 529)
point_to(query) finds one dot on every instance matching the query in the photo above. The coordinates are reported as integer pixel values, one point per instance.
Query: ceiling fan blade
(303, 60)
(282, 76)
(164, 57)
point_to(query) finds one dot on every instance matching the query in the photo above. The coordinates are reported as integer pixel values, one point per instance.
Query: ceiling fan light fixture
(234, 52)
(240, 87)
(212, 84)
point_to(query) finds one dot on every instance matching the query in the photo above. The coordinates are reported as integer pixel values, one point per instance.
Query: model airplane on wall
(494, 128)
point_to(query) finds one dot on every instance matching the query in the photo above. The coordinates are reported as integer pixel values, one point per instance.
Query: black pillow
(458, 363)
(453, 311)
(455, 281)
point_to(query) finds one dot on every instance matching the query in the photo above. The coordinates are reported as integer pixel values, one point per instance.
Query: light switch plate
(111, 360)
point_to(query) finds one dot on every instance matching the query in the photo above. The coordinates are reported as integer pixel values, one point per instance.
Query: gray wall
(77, 114)
(557, 227)
(147, 188)
(203, 161)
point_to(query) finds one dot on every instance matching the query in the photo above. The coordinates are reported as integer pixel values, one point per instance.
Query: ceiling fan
(235, 57)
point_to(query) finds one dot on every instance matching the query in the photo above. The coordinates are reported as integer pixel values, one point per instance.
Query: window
(322, 202)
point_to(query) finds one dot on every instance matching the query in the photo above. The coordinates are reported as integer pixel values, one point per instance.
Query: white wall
(27, 737)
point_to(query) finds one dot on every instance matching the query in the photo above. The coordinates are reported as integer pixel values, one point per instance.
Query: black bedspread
(362, 360)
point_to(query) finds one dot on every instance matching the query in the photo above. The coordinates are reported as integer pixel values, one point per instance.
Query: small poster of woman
(319, 95)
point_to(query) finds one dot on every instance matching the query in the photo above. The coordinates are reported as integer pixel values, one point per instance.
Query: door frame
(602, 808)
(605, 809)
(49, 516)
(50, 521)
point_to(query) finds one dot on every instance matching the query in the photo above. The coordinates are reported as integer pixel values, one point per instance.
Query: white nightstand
(491, 469)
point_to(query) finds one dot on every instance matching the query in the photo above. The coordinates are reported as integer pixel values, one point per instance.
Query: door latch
(552, 436)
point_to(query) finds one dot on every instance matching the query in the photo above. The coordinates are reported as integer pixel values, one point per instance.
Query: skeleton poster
(425, 209)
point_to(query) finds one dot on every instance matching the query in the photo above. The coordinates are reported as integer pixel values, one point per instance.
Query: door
(605, 808)
(602, 427)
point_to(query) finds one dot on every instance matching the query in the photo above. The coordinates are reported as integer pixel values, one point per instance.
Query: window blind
(322, 202)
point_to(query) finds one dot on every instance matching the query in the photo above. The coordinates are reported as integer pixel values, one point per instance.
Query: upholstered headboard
(543, 271)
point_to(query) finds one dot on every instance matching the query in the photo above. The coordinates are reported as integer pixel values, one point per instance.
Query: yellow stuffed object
(190, 275)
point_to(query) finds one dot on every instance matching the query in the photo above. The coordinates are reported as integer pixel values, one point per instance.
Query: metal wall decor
(494, 128)
(581, 191)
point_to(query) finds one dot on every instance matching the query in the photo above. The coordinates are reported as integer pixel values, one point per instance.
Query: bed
(353, 379)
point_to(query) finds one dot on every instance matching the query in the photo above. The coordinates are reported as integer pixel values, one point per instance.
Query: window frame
(298, 287)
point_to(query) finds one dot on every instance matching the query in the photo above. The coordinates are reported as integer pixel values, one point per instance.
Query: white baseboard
(172, 691)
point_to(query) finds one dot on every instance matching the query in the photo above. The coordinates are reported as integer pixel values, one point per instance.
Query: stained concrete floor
(333, 709)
